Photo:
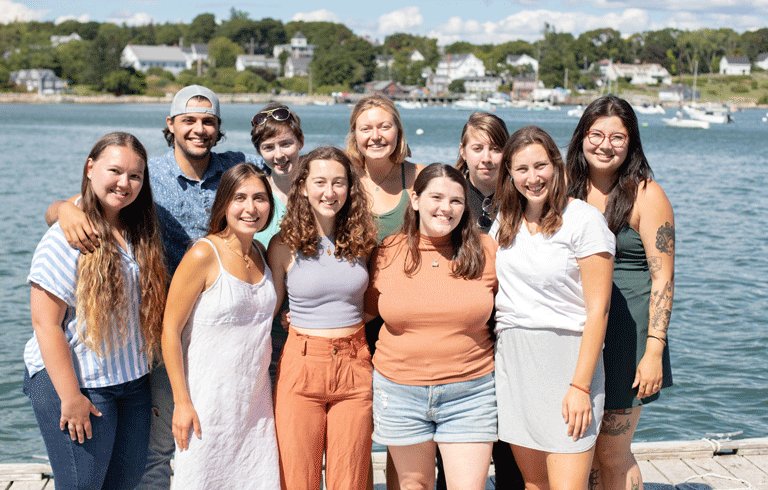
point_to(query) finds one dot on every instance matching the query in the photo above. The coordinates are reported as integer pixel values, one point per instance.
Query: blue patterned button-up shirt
(184, 204)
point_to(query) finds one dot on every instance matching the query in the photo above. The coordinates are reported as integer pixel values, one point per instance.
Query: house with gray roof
(735, 65)
(762, 61)
(40, 80)
(170, 58)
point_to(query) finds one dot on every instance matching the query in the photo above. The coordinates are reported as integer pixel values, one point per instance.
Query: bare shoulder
(652, 201)
(412, 171)
(279, 254)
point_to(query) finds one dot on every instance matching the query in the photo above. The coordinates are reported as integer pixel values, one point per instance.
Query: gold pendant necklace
(244, 257)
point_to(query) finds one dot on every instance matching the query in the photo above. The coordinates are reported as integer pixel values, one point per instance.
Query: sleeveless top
(628, 321)
(390, 221)
(325, 291)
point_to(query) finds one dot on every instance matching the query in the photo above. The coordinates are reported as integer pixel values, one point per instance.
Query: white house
(56, 40)
(735, 65)
(170, 58)
(416, 56)
(195, 52)
(762, 61)
(296, 67)
(257, 61)
(482, 85)
(638, 74)
(297, 48)
(40, 80)
(455, 66)
(522, 60)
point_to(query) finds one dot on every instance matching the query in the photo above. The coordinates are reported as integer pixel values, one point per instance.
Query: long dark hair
(632, 173)
(354, 229)
(468, 257)
(230, 181)
(511, 203)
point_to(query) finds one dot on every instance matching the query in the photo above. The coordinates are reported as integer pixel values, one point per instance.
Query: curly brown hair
(511, 203)
(468, 258)
(354, 230)
(101, 297)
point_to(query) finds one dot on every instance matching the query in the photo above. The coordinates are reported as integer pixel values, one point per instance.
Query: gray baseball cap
(179, 105)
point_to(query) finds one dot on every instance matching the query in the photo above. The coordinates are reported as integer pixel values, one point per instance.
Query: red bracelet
(588, 392)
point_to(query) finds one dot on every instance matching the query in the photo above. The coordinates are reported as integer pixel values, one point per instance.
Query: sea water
(716, 179)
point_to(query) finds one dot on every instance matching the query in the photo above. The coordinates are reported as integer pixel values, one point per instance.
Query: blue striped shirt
(54, 268)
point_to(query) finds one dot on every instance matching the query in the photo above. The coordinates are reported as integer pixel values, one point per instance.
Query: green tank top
(390, 221)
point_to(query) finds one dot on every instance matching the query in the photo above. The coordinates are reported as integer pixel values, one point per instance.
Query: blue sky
(475, 21)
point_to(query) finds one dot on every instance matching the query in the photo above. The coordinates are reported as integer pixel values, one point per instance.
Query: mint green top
(265, 235)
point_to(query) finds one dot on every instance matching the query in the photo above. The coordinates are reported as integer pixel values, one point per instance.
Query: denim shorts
(404, 415)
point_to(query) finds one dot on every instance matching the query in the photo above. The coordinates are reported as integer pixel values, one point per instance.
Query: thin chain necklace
(434, 260)
(244, 257)
(377, 187)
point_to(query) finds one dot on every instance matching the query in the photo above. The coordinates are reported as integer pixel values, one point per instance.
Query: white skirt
(534, 369)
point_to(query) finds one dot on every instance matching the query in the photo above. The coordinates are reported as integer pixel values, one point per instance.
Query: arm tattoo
(654, 264)
(661, 307)
(665, 239)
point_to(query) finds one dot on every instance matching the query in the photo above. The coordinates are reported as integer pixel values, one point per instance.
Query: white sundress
(227, 349)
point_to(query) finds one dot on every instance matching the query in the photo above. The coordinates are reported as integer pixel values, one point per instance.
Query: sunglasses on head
(278, 114)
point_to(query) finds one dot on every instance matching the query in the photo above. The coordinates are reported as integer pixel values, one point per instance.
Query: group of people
(298, 308)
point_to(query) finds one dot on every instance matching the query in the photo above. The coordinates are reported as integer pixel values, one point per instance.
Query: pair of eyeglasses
(485, 220)
(617, 140)
(278, 114)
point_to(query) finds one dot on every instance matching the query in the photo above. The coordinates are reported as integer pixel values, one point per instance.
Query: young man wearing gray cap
(184, 183)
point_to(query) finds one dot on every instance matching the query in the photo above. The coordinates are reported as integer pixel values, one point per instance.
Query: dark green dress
(628, 320)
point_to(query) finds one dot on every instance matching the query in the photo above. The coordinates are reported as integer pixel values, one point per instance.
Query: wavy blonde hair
(512, 204)
(354, 230)
(102, 299)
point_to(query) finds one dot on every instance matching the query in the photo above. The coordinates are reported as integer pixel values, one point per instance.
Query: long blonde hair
(401, 151)
(102, 298)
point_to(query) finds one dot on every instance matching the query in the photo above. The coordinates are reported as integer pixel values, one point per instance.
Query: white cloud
(82, 19)
(10, 12)
(402, 20)
(129, 18)
(321, 15)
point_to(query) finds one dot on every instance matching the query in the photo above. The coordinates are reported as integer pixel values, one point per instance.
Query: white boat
(679, 122)
(472, 105)
(404, 104)
(649, 109)
(577, 111)
(712, 116)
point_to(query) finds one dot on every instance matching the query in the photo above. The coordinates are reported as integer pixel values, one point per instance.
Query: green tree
(223, 51)
(333, 69)
(457, 86)
(557, 55)
(104, 55)
(124, 82)
(5, 73)
(202, 29)
(169, 34)
(754, 43)
(73, 59)
(600, 44)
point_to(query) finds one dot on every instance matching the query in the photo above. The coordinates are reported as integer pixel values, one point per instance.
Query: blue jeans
(157, 474)
(115, 455)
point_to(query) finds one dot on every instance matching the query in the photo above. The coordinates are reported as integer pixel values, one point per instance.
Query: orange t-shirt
(435, 325)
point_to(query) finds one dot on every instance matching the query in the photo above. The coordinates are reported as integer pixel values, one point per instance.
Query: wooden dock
(686, 465)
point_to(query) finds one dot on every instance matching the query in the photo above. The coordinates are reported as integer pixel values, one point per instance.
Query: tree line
(344, 61)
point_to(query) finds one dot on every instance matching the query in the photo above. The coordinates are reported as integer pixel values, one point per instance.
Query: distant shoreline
(256, 98)
(32, 98)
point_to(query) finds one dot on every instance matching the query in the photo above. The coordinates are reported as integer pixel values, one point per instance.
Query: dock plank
(30, 485)
(743, 468)
(651, 474)
(715, 474)
(675, 470)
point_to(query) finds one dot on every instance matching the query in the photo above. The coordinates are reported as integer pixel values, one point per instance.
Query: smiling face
(248, 211)
(376, 134)
(605, 157)
(483, 161)
(326, 188)
(532, 173)
(116, 177)
(194, 133)
(440, 205)
(281, 152)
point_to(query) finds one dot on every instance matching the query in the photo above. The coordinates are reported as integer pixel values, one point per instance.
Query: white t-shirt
(539, 277)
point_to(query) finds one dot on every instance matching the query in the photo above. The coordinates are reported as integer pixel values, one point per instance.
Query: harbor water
(716, 179)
